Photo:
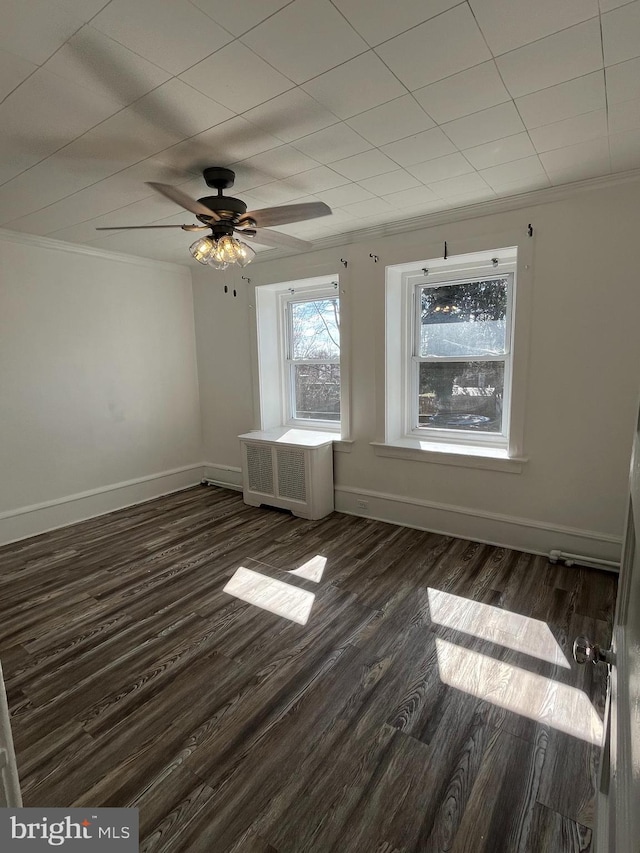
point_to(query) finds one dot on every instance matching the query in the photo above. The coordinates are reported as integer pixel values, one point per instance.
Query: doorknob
(584, 651)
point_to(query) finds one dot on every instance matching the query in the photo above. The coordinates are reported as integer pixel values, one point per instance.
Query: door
(9, 784)
(618, 807)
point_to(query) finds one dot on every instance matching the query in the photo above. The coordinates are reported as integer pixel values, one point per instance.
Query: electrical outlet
(362, 504)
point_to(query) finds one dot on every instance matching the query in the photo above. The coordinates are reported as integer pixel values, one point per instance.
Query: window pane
(317, 391)
(315, 328)
(464, 319)
(461, 395)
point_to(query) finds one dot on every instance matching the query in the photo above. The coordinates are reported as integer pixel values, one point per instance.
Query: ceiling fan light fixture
(245, 254)
(202, 250)
(224, 251)
(216, 264)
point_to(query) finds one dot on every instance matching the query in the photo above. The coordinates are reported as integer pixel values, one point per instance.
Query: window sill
(465, 456)
(303, 437)
(341, 445)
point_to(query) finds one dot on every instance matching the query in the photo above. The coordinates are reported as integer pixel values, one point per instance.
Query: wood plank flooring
(429, 703)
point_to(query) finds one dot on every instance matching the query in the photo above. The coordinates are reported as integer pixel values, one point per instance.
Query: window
(460, 358)
(452, 358)
(312, 355)
(299, 354)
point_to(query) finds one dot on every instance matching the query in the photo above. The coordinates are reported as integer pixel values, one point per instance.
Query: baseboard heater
(590, 562)
(288, 469)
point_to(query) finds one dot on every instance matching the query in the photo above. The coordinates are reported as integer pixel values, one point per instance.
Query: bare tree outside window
(314, 357)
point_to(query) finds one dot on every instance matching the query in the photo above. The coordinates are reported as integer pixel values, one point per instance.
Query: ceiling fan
(223, 215)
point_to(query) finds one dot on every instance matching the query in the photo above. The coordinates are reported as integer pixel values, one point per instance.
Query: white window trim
(286, 298)
(398, 440)
(270, 356)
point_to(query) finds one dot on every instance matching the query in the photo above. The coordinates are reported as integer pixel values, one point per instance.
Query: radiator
(288, 471)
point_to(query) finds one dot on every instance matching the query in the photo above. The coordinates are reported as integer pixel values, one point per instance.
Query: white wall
(581, 394)
(224, 367)
(98, 383)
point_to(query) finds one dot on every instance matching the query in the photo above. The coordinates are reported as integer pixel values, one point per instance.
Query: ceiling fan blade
(274, 238)
(287, 213)
(135, 227)
(183, 200)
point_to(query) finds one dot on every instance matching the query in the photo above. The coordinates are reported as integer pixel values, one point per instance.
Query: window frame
(457, 436)
(266, 333)
(393, 438)
(310, 293)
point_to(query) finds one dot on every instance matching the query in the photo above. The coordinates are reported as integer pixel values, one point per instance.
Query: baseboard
(39, 518)
(505, 531)
(227, 476)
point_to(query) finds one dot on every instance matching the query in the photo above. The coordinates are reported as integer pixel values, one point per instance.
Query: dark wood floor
(428, 704)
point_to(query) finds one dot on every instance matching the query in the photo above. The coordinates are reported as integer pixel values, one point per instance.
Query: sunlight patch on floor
(312, 570)
(516, 632)
(541, 699)
(277, 597)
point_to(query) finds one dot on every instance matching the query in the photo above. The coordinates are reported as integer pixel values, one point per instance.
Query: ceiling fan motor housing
(225, 206)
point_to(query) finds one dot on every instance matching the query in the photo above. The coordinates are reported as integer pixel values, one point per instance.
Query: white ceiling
(381, 110)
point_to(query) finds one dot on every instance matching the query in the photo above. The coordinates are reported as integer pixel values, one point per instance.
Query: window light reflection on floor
(544, 700)
(516, 632)
(312, 570)
(278, 597)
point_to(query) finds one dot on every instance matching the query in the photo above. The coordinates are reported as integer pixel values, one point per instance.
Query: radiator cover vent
(289, 469)
(260, 469)
(292, 480)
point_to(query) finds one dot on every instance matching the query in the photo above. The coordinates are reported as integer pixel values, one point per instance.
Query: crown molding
(373, 232)
(546, 195)
(25, 239)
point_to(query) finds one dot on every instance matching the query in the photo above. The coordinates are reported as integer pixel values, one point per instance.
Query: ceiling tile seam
(342, 15)
(117, 112)
(15, 88)
(526, 129)
(243, 114)
(277, 177)
(373, 51)
(252, 27)
(108, 118)
(108, 37)
(415, 26)
(553, 85)
(469, 147)
(513, 100)
(606, 93)
(112, 174)
(542, 38)
(340, 121)
(491, 207)
(232, 39)
(66, 144)
(111, 210)
(42, 64)
(294, 84)
(99, 12)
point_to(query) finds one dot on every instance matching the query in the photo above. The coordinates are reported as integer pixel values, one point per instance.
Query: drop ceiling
(381, 110)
